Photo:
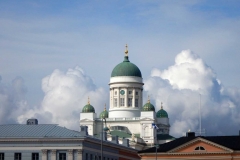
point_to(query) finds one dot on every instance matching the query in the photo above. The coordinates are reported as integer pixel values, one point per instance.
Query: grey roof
(36, 131)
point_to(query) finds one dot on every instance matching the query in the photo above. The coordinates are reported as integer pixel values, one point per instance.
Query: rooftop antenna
(200, 131)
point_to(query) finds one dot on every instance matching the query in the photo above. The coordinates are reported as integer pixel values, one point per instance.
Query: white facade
(126, 117)
(125, 97)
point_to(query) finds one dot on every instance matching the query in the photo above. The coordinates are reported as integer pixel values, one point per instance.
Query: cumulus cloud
(180, 88)
(66, 93)
(12, 100)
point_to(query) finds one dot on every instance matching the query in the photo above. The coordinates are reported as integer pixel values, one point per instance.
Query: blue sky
(37, 37)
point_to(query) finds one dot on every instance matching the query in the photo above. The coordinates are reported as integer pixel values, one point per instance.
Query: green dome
(162, 113)
(106, 129)
(88, 109)
(148, 107)
(126, 68)
(104, 114)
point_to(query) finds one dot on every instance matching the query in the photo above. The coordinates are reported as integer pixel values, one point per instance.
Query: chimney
(125, 142)
(115, 139)
(32, 122)
(104, 136)
(190, 134)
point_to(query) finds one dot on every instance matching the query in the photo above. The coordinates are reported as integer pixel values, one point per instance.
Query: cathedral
(127, 117)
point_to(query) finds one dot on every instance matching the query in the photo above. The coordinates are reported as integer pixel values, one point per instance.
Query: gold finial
(88, 100)
(105, 107)
(161, 105)
(126, 51)
(148, 99)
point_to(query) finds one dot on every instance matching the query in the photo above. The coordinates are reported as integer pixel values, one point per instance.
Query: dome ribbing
(126, 68)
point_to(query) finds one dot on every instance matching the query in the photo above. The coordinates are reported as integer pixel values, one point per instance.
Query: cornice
(44, 139)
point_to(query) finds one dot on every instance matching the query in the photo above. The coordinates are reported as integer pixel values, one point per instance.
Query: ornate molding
(44, 151)
(54, 152)
(70, 152)
(79, 151)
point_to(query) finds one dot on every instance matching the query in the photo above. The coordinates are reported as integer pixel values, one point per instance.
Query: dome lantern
(148, 106)
(126, 68)
(104, 114)
(162, 113)
(88, 108)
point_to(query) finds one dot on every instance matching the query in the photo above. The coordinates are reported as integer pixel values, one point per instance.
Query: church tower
(126, 86)
(127, 117)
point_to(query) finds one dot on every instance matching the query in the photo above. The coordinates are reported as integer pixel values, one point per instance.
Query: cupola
(126, 68)
(88, 108)
(104, 114)
(162, 113)
(148, 107)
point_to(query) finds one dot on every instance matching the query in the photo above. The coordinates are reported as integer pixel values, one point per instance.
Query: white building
(127, 116)
(33, 141)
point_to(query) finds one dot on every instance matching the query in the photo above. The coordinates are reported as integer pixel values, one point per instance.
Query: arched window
(146, 131)
(199, 148)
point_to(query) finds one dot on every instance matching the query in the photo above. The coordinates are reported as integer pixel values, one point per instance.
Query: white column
(53, 155)
(112, 98)
(44, 154)
(70, 154)
(140, 99)
(118, 101)
(126, 98)
(133, 101)
(79, 154)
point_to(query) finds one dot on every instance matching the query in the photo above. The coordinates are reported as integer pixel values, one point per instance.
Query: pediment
(207, 147)
(146, 119)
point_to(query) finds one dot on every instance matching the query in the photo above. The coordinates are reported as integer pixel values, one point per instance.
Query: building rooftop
(36, 131)
(231, 142)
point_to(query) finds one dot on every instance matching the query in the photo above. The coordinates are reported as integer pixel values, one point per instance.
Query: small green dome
(148, 107)
(162, 113)
(126, 68)
(106, 129)
(88, 109)
(104, 114)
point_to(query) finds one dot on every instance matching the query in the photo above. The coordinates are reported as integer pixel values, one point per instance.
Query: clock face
(122, 92)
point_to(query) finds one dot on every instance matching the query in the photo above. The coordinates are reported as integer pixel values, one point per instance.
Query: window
(17, 156)
(136, 102)
(199, 148)
(122, 102)
(115, 92)
(119, 128)
(1, 156)
(115, 102)
(35, 156)
(146, 131)
(62, 156)
(129, 102)
(129, 92)
(136, 93)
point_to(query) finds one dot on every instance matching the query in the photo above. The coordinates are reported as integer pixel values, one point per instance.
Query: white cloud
(65, 96)
(12, 100)
(179, 88)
